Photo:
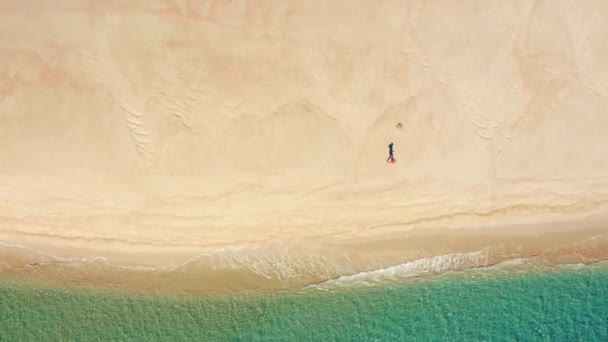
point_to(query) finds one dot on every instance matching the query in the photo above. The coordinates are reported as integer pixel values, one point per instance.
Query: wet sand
(295, 265)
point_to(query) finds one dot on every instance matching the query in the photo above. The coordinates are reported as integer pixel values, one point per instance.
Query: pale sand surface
(252, 135)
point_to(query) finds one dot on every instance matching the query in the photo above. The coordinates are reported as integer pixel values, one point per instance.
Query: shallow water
(568, 303)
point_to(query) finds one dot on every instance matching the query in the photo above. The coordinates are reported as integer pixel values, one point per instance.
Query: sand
(148, 134)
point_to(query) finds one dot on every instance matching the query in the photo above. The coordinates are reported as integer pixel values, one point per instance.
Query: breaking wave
(416, 268)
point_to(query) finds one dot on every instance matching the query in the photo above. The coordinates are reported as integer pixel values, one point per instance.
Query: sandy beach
(182, 145)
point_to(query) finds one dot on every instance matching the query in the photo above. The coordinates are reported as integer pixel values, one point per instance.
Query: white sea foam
(292, 267)
(572, 266)
(268, 262)
(31, 256)
(30, 251)
(415, 268)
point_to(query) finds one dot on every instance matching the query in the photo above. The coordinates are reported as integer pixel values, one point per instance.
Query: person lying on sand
(390, 154)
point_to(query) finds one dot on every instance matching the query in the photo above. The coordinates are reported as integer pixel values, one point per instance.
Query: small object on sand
(399, 125)
(390, 158)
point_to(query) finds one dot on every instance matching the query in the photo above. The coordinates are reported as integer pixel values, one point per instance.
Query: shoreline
(557, 299)
(289, 265)
(363, 280)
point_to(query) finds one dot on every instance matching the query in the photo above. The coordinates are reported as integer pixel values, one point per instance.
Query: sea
(513, 301)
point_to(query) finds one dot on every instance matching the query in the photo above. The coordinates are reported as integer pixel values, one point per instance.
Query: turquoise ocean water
(547, 304)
